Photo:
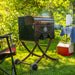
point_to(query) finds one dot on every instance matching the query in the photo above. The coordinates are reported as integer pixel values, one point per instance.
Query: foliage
(72, 1)
(60, 8)
(10, 10)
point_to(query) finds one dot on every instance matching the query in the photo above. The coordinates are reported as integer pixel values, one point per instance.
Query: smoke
(45, 14)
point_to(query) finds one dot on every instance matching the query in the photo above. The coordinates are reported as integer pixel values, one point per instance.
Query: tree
(10, 10)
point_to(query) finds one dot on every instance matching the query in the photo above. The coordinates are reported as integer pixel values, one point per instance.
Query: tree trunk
(74, 13)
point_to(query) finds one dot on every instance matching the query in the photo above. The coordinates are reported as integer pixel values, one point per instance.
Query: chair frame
(10, 54)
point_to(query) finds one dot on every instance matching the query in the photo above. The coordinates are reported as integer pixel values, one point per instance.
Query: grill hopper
(35, 28)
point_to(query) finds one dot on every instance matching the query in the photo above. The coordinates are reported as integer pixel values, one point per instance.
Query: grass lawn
(66, 65)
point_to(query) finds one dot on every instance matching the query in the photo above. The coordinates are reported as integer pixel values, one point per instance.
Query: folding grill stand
(34, 66)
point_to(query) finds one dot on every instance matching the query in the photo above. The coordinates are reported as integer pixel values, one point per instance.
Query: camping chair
(8, 52)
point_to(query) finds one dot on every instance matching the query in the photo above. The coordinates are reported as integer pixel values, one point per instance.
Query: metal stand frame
(31, 52)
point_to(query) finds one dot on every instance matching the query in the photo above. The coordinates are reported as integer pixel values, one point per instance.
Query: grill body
(26, 31)
(44, 28)
(35, 28)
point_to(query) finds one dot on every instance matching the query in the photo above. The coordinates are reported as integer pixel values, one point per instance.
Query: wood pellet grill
(35, 29)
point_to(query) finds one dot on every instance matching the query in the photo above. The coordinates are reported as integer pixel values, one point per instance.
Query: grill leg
(34, 66)
(30, 52)
(44, 53)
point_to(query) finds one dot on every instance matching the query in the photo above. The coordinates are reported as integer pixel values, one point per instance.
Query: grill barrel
(35, 28)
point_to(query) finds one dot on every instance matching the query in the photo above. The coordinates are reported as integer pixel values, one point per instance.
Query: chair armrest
(5, 36)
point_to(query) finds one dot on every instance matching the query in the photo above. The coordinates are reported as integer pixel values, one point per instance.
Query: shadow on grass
(49, 67)
(7, 66)
(66, 66)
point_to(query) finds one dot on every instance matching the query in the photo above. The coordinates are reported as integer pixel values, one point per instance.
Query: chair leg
(4, 71)
(13, 65)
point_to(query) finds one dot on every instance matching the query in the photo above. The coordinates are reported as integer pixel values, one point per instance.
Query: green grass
(65, 66)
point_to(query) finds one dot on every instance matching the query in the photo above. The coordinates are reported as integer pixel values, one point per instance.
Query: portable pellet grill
(35, 29)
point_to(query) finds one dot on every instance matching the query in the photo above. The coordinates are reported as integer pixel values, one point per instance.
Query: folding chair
(8, 52)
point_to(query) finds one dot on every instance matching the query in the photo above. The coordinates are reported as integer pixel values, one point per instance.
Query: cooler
(65, 49)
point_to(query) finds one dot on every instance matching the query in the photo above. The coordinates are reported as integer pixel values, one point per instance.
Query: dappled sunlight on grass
(65, 66)
(51, 66)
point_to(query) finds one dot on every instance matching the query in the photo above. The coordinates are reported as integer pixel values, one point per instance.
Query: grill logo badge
(45, 29)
